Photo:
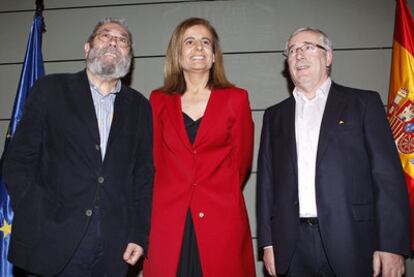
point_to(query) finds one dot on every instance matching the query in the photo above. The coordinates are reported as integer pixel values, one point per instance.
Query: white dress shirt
(308, 118)
(104, 109)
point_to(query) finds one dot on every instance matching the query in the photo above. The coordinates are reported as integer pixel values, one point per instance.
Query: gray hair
(326, 42)
(120, 21)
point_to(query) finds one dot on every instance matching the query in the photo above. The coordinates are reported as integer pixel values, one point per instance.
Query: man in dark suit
(331, 196)
(79, 170)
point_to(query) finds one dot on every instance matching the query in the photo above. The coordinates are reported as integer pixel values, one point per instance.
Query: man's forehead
(113, 27)
(305, 36)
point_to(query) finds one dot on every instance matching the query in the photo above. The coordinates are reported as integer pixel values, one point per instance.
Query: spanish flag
(401, 96)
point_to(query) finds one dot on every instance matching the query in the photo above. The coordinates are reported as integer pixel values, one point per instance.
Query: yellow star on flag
(6, 228)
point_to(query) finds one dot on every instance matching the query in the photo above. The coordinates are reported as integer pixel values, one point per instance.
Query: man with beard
(79, 170)
(331, 194)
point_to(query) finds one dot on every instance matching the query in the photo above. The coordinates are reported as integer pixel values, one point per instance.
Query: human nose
(199, 45)
(113, 40)
(298, 51)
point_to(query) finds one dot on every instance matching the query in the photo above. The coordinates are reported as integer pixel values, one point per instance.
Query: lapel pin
(341, 122)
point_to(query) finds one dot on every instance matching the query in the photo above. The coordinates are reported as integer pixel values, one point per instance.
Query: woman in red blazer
(203, 144)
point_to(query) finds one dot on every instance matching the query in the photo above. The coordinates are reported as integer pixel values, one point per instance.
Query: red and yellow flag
(401, 96)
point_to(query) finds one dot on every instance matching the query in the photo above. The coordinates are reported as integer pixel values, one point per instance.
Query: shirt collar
(115, 91)
(321, 92)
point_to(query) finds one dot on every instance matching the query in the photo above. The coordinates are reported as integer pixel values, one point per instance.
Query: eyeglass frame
(316, 45)
(108, 37)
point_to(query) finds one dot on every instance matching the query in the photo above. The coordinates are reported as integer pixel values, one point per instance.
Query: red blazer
(206, 177)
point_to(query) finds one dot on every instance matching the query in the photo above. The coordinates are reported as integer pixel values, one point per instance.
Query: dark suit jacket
(361, 197)
(56, 176)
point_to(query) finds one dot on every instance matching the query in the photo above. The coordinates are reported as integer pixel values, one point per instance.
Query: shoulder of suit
(52, 84)
(284, 103)
(158, 99)
(159, 96)
(157, 93)
(134, 94)
(56, 78)
(352, 91)
(234, 95)
(232, 90)
(360, 95)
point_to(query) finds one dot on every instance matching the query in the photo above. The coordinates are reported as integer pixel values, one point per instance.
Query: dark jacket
(55, 175)
(361, 196)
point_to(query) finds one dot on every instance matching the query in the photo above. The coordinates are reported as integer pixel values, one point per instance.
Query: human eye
(309, 47)
(291, 51)
(123, 40)
(206, 42)
(189, 41)
(104, 36)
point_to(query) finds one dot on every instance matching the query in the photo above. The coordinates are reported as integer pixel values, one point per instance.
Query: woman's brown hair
(174, 82)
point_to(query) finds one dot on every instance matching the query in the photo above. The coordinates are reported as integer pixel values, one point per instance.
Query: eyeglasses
(307, 48)
(121, 41)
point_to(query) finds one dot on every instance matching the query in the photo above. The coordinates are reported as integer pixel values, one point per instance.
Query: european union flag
(32, 69)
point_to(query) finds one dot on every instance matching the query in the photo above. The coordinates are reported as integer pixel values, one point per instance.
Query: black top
(191, 127)
(189, 264)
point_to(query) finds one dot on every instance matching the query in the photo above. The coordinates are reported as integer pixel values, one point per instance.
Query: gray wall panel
(249, 193)
(147, 75)
(64, 67)
(15, 5)
(18, 28)
(261, 75)
(3, 130)
(243, 26)
(259, 264)
(363, 69)
(152, 26)
(9, 79)
(257, 118)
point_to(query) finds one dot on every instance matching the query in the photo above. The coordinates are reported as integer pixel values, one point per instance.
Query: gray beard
(108, 71)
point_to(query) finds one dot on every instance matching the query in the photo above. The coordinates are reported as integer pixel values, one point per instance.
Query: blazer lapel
(291, 133)
(176, 118)
(211, 115)
(331, 116)
(84, 104)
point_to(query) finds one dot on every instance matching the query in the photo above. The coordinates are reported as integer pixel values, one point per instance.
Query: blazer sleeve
(265, 185)
(143, 178)
(391, 197)
(243, 133)
(23, 155)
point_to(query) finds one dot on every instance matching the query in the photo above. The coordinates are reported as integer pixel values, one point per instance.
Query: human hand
(132, 253)
(388, 264)
(269, 260)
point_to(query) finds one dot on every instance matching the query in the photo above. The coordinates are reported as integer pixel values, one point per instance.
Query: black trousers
(309, 259)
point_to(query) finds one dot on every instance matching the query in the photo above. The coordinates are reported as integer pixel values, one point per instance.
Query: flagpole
(39, 12)
(39, 7)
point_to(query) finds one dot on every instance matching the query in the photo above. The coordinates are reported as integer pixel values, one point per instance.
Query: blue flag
(32, 69)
